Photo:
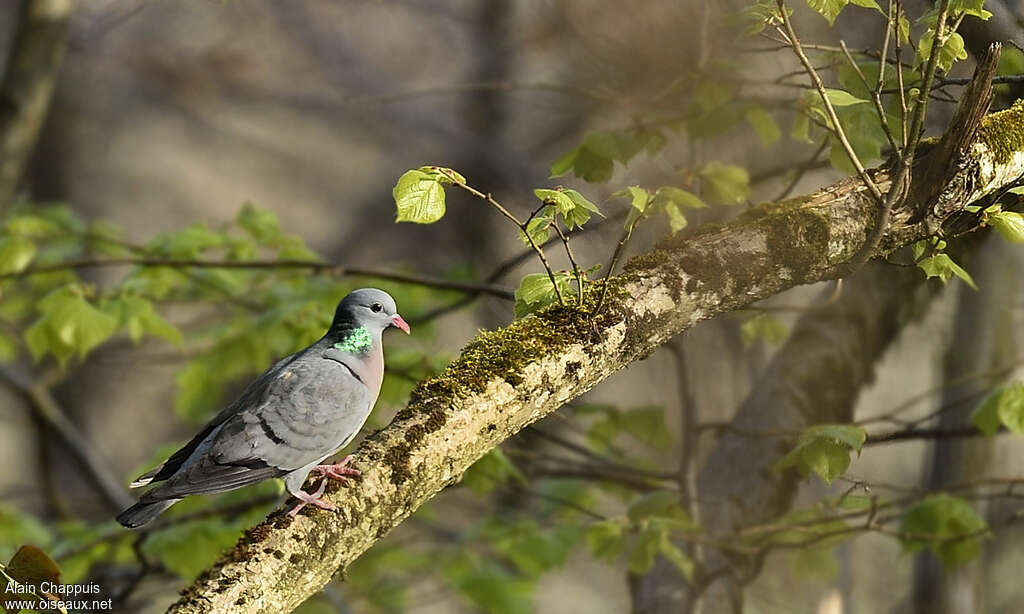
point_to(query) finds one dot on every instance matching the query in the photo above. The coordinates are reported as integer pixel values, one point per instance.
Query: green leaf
(645, 549)
(16, 253)
(139, 317)
(801, 128)
(639, 199)
(1004, 406)
(593, 168)
(676, 219)
(17, 528)
(562, 202)
(762, 327)
(574, 208)
(647, 424)
(419, 197)
(670, 195)
(33, 226)
(824, 449)
(725, 183)
(493, 589)
(493, 469)
(189, 242)
(187, 549)
(1019, 190)
(678, 558)
(605, 539)
(764, 124)
(260, 224)
(864, 133)
(841, 98)
(661, 504)
(536, 291)
(952, 50)
(830, 9)
(946, 525)
(1010, 224)
(69, 324)
(943, 267)
(564, 164)
(532, 551)
(539, 228)
(762, 14)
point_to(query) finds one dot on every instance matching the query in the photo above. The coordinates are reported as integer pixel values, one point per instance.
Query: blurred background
(264, 119)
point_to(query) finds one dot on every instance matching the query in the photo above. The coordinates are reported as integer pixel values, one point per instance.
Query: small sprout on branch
(824, 449)
(947, 526)
(938, 263)
(1004, 407)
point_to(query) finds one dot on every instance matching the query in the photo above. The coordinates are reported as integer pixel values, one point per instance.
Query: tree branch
(315, 266)
(28, 83)
(49, 411)
(509, 378)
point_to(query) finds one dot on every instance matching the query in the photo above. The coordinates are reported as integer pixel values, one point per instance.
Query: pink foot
(338, 471)
(311, 499)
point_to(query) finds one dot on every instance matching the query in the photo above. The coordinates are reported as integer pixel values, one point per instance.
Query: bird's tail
(143, 512)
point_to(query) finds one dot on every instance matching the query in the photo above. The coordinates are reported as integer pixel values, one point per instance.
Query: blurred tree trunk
(815, 377)
(27, 86)
(984, 338)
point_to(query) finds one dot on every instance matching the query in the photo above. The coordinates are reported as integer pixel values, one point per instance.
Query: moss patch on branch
(1003, 133)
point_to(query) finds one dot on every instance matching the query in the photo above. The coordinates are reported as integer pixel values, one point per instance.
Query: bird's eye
(376, 307)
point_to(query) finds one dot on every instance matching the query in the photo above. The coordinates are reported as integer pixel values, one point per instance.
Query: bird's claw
(312, 499)
(338, 471)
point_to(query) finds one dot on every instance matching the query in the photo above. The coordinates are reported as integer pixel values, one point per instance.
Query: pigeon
(302, 410)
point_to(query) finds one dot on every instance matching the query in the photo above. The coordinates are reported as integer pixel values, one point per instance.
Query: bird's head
(372, 308)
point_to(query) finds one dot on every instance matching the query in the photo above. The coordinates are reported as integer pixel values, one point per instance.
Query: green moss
(1003, 132)
(802, 236)
(258, 533)
(397, 458)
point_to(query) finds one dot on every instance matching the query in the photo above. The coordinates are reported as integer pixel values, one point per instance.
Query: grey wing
(316, 410)
(303, 413)
(252, 394)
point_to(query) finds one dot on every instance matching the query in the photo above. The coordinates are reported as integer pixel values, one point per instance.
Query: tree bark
(27, 85)
(984, 338)
(509, 378)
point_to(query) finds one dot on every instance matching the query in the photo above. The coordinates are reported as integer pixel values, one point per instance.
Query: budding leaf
(946, 525)
(1003, 407)
(725, 183)
(824, 449)
(605, 539)
(943, 267)
(764, 124)
(16, 253)
(539, 228)
(1010, 224)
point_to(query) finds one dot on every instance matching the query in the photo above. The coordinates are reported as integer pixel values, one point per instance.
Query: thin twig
(47, 408)
(522, 226)
(876, 98)
(830, 111)
(572, 260)
(315, 266)
(921, 106)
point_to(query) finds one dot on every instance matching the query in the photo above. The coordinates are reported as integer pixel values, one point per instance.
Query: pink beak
(400, 323)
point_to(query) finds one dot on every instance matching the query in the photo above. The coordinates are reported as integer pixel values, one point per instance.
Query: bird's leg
(337, 471)
(311, 499)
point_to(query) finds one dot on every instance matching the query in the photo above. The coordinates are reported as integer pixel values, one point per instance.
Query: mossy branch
(509, 378)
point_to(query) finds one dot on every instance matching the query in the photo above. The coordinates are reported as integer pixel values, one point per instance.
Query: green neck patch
(357, 340)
